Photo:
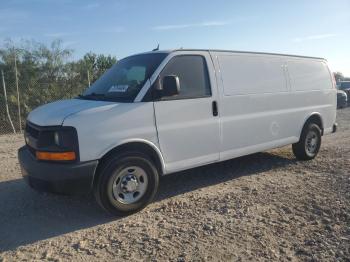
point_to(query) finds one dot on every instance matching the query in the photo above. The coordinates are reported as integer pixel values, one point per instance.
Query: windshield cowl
(103, 97)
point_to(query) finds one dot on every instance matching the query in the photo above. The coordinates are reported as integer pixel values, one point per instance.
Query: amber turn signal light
(55, 156)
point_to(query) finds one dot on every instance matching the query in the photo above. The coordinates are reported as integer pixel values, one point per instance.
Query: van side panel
(260, 107)
(307, 75)
(312, 91)
(252, 75)
(254, 103)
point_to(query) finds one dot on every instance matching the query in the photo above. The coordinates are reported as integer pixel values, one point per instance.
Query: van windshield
(124, 80)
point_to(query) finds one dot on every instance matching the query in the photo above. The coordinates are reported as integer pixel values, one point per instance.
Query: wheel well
(316, 119)
(132, 147)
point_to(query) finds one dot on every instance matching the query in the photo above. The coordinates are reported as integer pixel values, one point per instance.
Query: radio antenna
(156, 49)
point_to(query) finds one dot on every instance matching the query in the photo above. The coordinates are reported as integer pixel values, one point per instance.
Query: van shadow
(201, 177)
(27, 216)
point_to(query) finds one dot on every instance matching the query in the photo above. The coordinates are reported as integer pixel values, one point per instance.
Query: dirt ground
(265, 206)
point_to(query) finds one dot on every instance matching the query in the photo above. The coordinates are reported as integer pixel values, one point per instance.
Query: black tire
(304, 149)
(103, 188)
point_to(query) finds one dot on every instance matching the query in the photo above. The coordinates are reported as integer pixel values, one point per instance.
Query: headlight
(56, 137)
(57, 144)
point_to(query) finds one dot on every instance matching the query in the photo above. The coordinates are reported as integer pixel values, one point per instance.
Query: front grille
(32, 131)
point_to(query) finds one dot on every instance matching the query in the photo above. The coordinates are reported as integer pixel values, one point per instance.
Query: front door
(188, 123)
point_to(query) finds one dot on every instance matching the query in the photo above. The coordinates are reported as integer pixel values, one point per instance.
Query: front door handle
(215, 108)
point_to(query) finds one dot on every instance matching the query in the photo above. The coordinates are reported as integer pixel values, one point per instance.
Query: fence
(19, 97)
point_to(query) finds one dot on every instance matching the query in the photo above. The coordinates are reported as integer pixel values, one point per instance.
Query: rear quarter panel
(312, 91)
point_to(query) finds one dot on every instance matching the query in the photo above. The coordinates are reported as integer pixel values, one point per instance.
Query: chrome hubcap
(311, 142)
(129, 185)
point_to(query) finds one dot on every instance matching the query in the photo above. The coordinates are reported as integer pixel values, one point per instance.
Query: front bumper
(61, 178)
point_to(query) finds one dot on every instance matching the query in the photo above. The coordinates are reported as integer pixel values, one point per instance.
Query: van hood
(55, 113)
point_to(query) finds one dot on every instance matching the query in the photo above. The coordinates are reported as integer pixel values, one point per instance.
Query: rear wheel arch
(314, 118)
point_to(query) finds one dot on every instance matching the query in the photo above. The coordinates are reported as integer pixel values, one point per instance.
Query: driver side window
(192, 72)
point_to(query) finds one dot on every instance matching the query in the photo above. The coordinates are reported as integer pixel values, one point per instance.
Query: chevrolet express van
(160, 112)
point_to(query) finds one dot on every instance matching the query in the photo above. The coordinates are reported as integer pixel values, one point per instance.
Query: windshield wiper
(105, 97)
(92, 96)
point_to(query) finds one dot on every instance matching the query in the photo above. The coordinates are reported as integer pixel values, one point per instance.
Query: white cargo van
(160, 112)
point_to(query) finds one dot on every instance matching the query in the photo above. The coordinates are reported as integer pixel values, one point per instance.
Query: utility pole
(7, 106)
(88, 75)
(18, 102)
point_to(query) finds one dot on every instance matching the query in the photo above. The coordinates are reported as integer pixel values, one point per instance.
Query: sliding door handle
(215, 108)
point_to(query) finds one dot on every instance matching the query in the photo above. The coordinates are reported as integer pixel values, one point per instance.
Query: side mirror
(170, 85)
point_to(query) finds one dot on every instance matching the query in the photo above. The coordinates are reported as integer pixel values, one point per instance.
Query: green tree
(46, 73)
(338, 76)
(96, 65)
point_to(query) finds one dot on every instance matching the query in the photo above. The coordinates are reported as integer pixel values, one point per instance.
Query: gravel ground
(265, 206)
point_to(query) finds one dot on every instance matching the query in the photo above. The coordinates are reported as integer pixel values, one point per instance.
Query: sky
(304, 27)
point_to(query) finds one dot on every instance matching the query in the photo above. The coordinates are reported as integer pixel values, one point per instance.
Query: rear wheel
(309, 143)
(126, 183)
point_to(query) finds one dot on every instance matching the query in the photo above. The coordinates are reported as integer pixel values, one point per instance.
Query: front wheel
(126, 183)
(309, 143)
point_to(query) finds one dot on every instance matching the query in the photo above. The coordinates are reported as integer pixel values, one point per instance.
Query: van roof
(232, 51)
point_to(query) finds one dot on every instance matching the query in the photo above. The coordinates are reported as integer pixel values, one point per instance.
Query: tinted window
(125, 79)
(193, 75)
(344, 85)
